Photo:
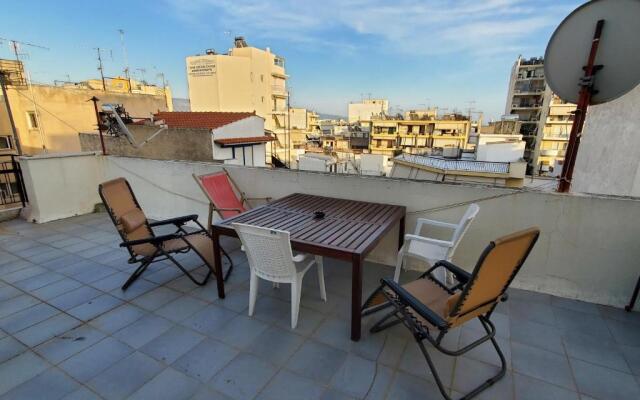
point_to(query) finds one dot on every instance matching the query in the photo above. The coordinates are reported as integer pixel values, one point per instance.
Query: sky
(453, 54)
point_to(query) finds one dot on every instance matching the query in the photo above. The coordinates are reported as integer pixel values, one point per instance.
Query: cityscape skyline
(416, 54)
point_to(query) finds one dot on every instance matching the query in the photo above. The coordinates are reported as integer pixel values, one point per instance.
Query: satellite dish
(618, 51)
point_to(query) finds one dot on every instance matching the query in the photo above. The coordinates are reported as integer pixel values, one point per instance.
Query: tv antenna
(125, 58)
(602, 33)
(16, 44)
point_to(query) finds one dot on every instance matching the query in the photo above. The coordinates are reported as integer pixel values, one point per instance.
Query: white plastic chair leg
(399, 261)
(320, 266)
(253, 292)
(296, 292)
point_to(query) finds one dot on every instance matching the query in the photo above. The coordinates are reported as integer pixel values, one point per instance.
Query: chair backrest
(126, 214)
(219, 190)
(496, 268)
(268, 251)
(463, 226)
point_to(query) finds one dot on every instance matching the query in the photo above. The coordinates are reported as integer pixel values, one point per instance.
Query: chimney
(239, 42)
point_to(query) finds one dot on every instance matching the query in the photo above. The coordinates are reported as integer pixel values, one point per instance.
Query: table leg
(401, 233)
(356, 297)
(218, 262)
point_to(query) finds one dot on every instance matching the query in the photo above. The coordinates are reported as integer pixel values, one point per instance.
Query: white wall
(61, 185)
(588, 248)
(608, 159)
(500, 152)
(254, 156)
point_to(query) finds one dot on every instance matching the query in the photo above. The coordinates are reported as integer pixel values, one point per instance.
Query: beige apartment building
(545, 119)
(393, 136)
(366, 110)
(49, 118)
(245, 79)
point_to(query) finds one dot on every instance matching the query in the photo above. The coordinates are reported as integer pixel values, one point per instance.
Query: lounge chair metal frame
(160, 254)
(409, 311)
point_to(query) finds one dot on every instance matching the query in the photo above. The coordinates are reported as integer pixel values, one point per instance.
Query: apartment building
(545, 119)
(245, 79)
(48, 118)
(417, 136)
(366, 110)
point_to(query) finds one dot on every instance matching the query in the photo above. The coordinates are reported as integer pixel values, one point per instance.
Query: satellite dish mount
(584, 99)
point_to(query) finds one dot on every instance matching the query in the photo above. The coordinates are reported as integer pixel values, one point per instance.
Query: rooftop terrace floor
(67, 331)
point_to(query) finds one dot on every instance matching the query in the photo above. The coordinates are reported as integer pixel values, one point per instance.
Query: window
(261, 78)
(262, 98)
(32, 120)
(5, 142)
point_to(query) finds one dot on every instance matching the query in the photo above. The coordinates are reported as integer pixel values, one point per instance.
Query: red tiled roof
(207, 120)
(244, 140)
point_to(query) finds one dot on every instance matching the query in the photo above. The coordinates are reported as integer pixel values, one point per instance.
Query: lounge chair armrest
(409, 300)
(175, 221)
(259, 198)
(461, 275)
(437, 242)
(151, 240)
(300, 257)
(239, 211)
(424, 221)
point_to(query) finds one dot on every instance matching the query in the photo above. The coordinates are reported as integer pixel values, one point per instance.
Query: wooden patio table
(348, 231)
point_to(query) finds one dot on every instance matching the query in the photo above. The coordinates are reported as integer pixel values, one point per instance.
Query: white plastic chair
(433, 250)
(270, 258)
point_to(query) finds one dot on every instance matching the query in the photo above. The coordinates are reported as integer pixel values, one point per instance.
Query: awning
(243, 141)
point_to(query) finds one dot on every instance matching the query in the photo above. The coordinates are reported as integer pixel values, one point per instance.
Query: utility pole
(101, 69)
(126, 58)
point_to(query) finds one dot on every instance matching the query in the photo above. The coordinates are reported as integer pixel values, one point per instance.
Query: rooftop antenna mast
(125, 57)
(15, 46)
(101, 68)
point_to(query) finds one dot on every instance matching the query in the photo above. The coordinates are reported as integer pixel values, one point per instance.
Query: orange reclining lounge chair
(430, 309)
(144, 246)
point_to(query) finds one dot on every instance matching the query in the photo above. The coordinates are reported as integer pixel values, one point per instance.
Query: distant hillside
(181, 104)
(331, 116)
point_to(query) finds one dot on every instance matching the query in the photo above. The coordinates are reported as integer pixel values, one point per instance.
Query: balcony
(69, 330)
(279, 91)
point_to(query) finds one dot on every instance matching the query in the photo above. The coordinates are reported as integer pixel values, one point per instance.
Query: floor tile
(240, 332)
(604, 383)
(52, 384)
(66, 345)
(56, 289)
(596, 351)
(156, 298)
(180, 308)
(89, 362)
(574, 322)
(288, 386)
(75, 297)
(94, 307)
(537, 335)
(317, 361)
(16, 304)
(528, 388)
(41, 280)
(9, 348)
(355, 376)
(118, 318)
(143, 330)
(82, 393)
(336, 332)
(45, 330)
(20, 369)
(27, 317)
(469, 374)
(125, 376)
(275, 345)
(541, 364)
(243, 377)
(410, 387)
(205, 359)
(172, 344)
(625, 333)
(210, 319)
(167, 385)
